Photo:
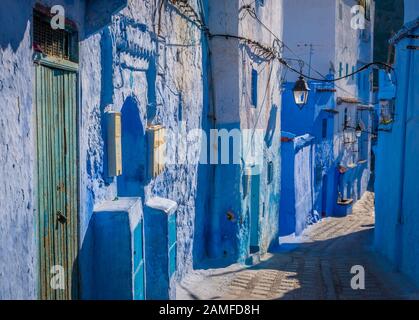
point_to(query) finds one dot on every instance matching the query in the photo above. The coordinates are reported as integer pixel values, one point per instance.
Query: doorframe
(61, 64)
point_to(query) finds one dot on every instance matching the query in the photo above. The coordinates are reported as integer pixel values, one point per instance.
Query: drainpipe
(400, 216)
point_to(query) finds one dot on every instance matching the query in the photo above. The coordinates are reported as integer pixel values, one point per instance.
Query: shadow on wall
(99, 14)
(130, 183)
(205, 183)
(151, 76)
(93, 260)
(83, 263)
(17, 17)
(270, 131)
(106, 92)
(15, 20)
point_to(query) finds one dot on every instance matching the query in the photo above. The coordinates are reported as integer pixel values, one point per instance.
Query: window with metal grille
(57, 43)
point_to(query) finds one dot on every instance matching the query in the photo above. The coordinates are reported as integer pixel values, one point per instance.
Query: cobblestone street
(317, 268)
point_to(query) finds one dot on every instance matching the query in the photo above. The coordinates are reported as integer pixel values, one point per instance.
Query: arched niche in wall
(132, 180)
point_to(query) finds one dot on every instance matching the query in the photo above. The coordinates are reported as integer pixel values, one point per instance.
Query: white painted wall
(353, 47)
(232, 64)
(266, 114)
(334, 41)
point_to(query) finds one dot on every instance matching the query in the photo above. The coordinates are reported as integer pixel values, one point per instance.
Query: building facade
(120, 59)
(340, 160)
(396, 204)
(115, 181)
(247, 102)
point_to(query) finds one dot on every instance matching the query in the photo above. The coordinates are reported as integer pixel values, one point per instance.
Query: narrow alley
(318, 267)
(167, 150)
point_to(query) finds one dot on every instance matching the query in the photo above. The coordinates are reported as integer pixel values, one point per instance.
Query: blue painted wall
(397, 173)
(149, 84)
(120, 69)
(112, 252)
(322, 119)
(245, 97)
(312, 119)
(297, 209)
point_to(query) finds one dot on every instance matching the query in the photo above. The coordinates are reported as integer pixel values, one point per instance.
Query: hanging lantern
(358, 131)
(301, 91)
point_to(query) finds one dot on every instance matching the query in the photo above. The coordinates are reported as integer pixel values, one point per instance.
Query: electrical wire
(269, 53)
(366, 66)
(261, 50)
(254, 16)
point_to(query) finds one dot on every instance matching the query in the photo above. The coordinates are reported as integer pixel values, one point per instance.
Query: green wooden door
(57, 163)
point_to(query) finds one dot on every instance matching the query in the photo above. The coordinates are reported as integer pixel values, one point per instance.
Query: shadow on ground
(309, 271)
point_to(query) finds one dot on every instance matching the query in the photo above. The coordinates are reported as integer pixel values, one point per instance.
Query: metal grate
(58, 43)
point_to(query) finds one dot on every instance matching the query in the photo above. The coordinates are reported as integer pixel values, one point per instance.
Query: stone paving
(317, 268)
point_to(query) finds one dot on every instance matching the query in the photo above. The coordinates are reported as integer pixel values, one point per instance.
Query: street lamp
(358, 131)
(301, 91)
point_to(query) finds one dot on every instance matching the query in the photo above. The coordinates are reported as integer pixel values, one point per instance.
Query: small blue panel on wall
(160, 248)
(117, 264)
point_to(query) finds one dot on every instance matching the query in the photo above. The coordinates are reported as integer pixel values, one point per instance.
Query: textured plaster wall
(330, 151)
(298, 186)
(17, 209)
(149, 87)
(298, 123)
(119, 69)
(18, 232)
(266, 114)
(333, 33)
(397, 224)
(233, 63)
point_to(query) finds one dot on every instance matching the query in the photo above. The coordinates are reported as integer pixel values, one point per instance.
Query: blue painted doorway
(254, 213)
